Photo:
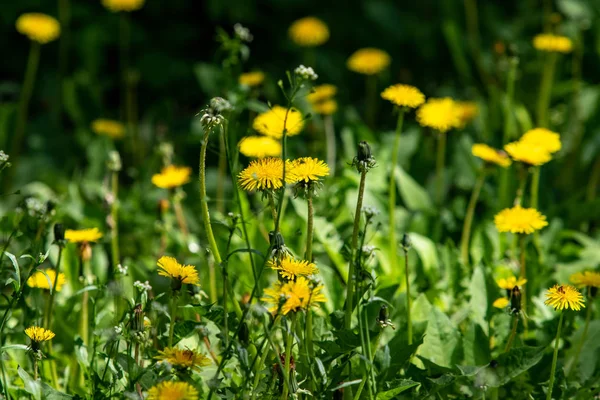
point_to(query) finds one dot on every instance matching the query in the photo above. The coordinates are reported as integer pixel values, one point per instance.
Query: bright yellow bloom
(37, 334)
(564, 297)
(265, 174)
(368, 61)
(251, 79)
(439, 114)
(309, 32)
(170, 268)
(501, 302)
(528, 153)
(83, 235)
(321, 93)
(259, 146)
(123, 5)
(169, 390)
(552, 43)
(183, 358)
(519, 220)
(171, 177)
(491, 155)
(404, 96)
(108, 127)
(309, 169)
(39, 280)
(295, 295)
(544, 138)
(327, 107)
(38, 27)
(510, 282)
(467, 111)
(290, 268)
(272, 122)
(586, 278)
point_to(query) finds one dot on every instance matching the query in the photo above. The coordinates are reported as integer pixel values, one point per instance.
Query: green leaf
(479, 297)
(414, 196)
(15, 264)
(510, 365)
(398, 387)
(14, 347)
(32, 386)
(426, 250)
(49, 393)
(346, 384)
(476, 345)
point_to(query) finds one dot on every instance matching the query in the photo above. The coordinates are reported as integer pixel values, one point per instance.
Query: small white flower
(142, 286)
(306, 73)
(370, 211)
(210, 119)
(122, 269)
(368, 249)
(243, 33)
(219, 104)
(118, 329)
(194, 247)
(3, 156)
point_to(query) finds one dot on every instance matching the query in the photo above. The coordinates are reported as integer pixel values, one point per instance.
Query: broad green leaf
(414, 196)
(32, 386)
(15, 264)
(510, 365)
(426, 250)
(476, 345)
(479, 297)
(398, 387)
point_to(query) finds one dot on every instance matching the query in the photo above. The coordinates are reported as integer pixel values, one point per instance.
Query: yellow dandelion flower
(467, 111)
(169, 390)
(295, 295)
(183, 358)
(260, 146)
(309, 32)
(501, 302)
(368, 61)
(108, 127)
(265, 174)
(271, 122)
(519, 220)
(439, 114)
(552, 43)
(307, 169)
(83, 235)
(586, 278)
(564, 297)
(251, 79)
(170, 268)
(528, 153)
(37, 334)
(321, 93)
(290, 268)
(544, 138)
(510, 282)
(38, 27)
(491, 155)
(404, 96)
(123, 5)
(39, 280)
(327, 107)
(171, 177)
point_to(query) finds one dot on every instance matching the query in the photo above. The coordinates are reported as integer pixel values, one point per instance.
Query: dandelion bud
(406, 242)
(114, 161)
(59, 233)
(383, 314)
(244, 334)
(364, 159)
(137, 319)
(515, 300)
(220, 105)
(85, 251)
(279, 249)
(364, 151)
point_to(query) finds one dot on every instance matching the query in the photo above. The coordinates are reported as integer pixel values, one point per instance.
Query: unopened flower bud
(244, 334)
(85, 251)
(406, 242)
(59, 233)
(515, 300)
(364, 151)
(137, 319)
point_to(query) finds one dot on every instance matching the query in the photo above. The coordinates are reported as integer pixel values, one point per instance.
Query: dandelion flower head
(528, 153)
(321, 93)
(501, 302)
(544, 138)
(170, 390)
(83, 235)
(439, 114)
(519, 220)
(295, 295)
(510, 282)
(108, 127)
(38, 27)
(272, 122)
(265, 174)
(309, 32)
(552, 43)
(169, 267)
(368, 61)
(183, 358)
(251, 79)
(564, 297)
(171, 177)
(39, 280)
(260, 146)
(586, 278)
(38, 334)
(491, 155)
(467, 111)
(123, 5)
(307, 169)
(404, 96)
(290, 268)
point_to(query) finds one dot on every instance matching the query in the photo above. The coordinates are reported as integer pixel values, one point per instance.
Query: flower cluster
(306, 73)
(243, 33)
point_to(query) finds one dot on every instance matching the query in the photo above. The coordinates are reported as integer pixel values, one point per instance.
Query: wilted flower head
(220, 105)
(243, 33)
(368, 61)
(370, 211)
(309, 32)
(306, 73)
(38, 27)
(211, 118)
(364, 159)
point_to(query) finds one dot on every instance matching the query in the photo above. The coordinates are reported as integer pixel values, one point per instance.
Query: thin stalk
(309, 334)
(212, 279)
(114, 215)
(48, 323)
(439, 167)
(523, 273)
(466, 231)
(513, 333)
(588, 317)
(535, 185)
(284, 158)
(408, 299)
(350, 284)
(555, 357)
(330, 141)
(522, 185)
(173, 316)
(371, 91)
(272, 206)
(221, 174)
(35, 368)
(84, 319)
(288, 355)
(474, 41)
(263, 356)
(309, 225)
(179, 215)
(546, 89)
(392, 191)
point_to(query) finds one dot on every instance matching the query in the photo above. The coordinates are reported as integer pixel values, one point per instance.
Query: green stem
(179, 215)
(309, 334)
(513, 333)
(588, 317)
(350, 284)
(48, 323)
(439, 167)
(272, 206)
(173, 317)
(546, 89)
(114, 214)
(392, 191)
(466, 231)
(522, 185)
(523, 274)
(284, 158)
(408, 299)
(84, 321)
(330, 140)
(221, 174)
(535, 185)
(555, 356)
(309, 225)
(288, 355)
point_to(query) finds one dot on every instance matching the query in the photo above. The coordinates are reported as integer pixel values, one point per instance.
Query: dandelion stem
(173, 316)
(309, 225)
(513, 333)
(588, 317)
(439, 167)
(284, 158)
(535, 185)
(392, 191)
(466, 231)
(288, 355)
(522, 185)
(272, 205)
(221, 174)
(555, 357)
(330, 140)
(408, 299)
(176, 200)
(546, 89)
(523, 273)
(48, 323)
(35, 367)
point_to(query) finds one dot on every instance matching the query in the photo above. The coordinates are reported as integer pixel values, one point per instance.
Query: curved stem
(523, 274)
(466, 231)
(221, 174)
(392, 191)
(555, 356)
(513, 333)
(272, 206)
(309, 225)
